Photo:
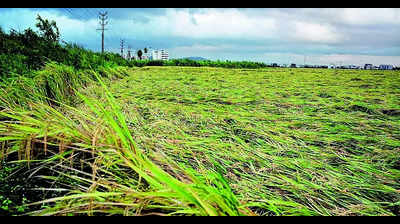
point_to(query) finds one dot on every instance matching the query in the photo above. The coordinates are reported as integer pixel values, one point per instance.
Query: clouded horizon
(293, 35)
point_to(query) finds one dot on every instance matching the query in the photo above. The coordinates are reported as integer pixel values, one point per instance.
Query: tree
(139, 54)
(48, 29)
(145, 50)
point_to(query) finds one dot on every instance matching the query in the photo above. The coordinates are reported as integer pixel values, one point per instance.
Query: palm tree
(139, 54)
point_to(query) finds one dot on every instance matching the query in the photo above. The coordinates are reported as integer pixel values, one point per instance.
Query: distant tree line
(198, 63)
(23, 52)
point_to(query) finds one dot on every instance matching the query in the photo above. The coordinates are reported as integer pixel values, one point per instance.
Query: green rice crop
(209, 141)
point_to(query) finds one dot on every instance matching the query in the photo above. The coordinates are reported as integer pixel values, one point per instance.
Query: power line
(75, 15)
(71, 12)
(108, 41)
(89, 13)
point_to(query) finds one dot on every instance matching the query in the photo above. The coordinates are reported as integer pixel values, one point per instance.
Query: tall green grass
(55, 83)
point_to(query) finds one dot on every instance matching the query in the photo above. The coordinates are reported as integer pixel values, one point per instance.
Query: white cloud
(370, 16)
(221, 23)
(208, 23)
(317, 33)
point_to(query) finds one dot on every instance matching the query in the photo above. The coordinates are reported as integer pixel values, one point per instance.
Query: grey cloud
(378, 35)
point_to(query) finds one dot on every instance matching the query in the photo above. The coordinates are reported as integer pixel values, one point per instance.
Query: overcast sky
(318, 36)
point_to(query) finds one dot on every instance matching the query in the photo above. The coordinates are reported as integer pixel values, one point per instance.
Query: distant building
(386, 67)
(148, 55)
(368, 66)
(293, 66)
(160, 55)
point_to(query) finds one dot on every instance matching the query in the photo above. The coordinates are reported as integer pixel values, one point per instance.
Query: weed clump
(324, 95)
(391, 112)
(360, 108)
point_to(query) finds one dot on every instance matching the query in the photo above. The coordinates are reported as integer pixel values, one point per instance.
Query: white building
(160, 55)
(368, 66)
(386, 67)
(146, 56)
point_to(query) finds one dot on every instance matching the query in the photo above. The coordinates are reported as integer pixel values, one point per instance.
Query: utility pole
(122, 48)
(129, 53)
(103, 17)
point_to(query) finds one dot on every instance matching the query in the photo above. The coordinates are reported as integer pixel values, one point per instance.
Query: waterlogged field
(215, 141)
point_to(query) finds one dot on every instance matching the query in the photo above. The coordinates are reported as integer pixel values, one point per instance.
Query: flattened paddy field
(279, 141)
(297, 141)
